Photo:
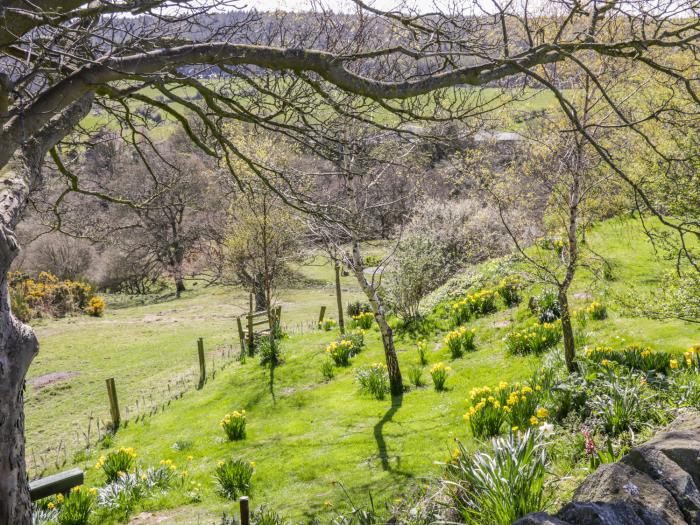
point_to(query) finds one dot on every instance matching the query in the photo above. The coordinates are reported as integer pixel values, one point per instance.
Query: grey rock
(618, 482)
(672, 458)
(593, 513)
(539, 518)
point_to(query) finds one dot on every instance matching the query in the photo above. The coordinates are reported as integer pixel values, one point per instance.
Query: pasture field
(310, 439)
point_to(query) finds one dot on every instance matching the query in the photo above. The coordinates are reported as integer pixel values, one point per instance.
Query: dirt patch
(502, 324)
(148, 518)
(583, 295)
(50, 379)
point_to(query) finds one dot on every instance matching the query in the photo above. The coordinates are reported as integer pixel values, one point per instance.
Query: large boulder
(672, 458)
(615, 482)
(592, 513)
(539, 518)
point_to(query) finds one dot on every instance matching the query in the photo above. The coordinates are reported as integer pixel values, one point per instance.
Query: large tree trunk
(18, 344)
(392, 361)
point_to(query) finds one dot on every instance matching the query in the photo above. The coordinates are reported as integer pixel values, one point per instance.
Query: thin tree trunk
(260, 294)
(567, 332)
(392, 361)
(339, 299)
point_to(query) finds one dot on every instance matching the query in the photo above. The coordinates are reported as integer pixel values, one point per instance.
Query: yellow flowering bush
(509, 290)
(96, 306)
(363, 320)
(633, 356)
(534, 339)
(460, 341)
(234, 425)
(486, 417)
(439, 373)
(479, 303)
(345, 347)
(117, 463)
(327, 324)
(77, 507)
(47, 295)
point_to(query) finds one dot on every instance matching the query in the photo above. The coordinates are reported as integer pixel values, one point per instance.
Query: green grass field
(304, 434)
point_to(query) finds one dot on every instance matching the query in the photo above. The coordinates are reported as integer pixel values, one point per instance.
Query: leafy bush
(622, 403)
(422, 352)
(363, 320)
(439, 373)
(123, 494)
(47, 295)
(634, 357)
(373, 380)
(77, 507)
(459, 341)
(509, 290)
(233, 478)
(328, 369)
(95, 307)
(486, 417)
(597, 311)
(345, 347)
(264, 516)
(534, 339)
(117, 463)
(546, 306)
(270, 352)
(415, 376)
(499, 487)
(477, 304)
(358, 308)
(328, 324)
(234, 425)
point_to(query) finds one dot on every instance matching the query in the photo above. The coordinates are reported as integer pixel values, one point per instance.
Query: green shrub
(234, 425)
(509, 290)
(422, 352)
(415, 376)
(328, 324)
(439, 373)
(499, 487)
(270, 352)
(534, 339)
(264, 516)
(634, 357)
(233, 478)
(345, 347)
(486, 417)
(622, 403)
(358, 308)
(546, 306)
(363, 320)
(122, 495)
(328, 369)
(460, 341)
(116, 463)
(373, 380)
(77, 507)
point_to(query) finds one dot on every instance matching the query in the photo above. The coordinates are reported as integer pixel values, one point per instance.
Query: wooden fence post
(245, 510)
(202, 364)
(251, 335)
(321, 316)
(241, 335)
(113, 403)
(339, 299)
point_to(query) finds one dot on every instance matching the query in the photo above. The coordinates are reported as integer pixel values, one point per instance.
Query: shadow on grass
(396, 402)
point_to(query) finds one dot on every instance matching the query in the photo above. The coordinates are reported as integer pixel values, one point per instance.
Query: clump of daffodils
(460, 341)
(115, 464)
(439, 373)
(234, 425)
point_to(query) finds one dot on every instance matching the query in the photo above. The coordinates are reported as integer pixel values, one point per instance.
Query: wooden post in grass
(241, 335)
(113, 403)
(202, 364)
(321, 316)
(251, 334)
(339, 299)
(245, 510)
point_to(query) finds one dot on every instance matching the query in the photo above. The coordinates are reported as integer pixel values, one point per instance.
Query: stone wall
(654, 484)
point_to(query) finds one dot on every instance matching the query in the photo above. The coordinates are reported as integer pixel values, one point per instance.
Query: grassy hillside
(304, 434)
